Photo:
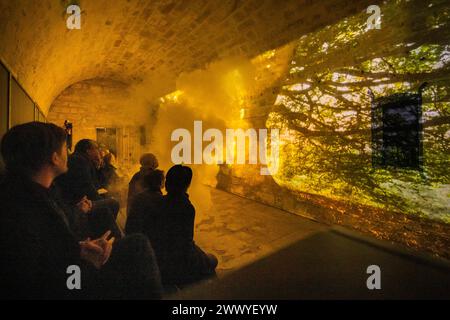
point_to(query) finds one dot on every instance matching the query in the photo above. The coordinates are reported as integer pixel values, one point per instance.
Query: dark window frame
(38, 113)
(397, 131)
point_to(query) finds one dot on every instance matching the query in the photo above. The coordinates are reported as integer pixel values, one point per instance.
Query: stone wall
(101, 103)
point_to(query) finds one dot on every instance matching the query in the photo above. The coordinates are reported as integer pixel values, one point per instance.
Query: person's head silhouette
(148, 160)
(178, 179)
(32, 147)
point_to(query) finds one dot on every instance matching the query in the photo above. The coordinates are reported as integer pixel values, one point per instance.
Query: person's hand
(89, 203)
(85, 205)
(97, 251)
(102, 191)
(106, 244)
(92, 252)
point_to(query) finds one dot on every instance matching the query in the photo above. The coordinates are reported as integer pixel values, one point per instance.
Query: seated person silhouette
(107, 173)
(136, 185)
(79, 187)
(145, 203)
(37, 244)
(170, 228)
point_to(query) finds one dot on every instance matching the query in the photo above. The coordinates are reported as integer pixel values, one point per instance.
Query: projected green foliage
(324, 108)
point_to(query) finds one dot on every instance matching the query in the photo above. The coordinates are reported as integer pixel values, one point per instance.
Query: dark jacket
(143, 204)
(36, 244)
(136, 185)
(80, 179)
(170, 228)
(78, 220)
(107, 176)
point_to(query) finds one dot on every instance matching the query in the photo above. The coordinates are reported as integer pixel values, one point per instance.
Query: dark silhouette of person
(136, 185)
(2, 170)
(81, 180)
(37, 244)
(77, 215)
(170, 228)
(107, 174)
(145, 203)
(80, 185)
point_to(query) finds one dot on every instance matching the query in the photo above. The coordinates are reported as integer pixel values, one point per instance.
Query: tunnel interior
(136, 71)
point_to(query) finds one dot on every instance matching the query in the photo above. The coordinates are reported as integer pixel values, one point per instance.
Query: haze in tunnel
(145, 68)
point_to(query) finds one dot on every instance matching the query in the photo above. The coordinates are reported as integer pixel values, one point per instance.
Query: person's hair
(178, 179)
(84, 145)
(107, 158)
(148, 160)
(154, 179)
(26, 148)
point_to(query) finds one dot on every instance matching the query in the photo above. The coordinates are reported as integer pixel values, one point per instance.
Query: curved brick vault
(128, 40)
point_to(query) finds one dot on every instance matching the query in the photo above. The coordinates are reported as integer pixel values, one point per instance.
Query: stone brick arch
(129, 40)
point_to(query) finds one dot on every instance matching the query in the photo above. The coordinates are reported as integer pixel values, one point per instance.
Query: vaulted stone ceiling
(128, 40)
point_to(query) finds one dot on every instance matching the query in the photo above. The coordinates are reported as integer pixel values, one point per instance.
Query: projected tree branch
(325, 110)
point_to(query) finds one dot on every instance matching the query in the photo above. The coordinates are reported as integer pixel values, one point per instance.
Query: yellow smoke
(219, 95)
(215, 95)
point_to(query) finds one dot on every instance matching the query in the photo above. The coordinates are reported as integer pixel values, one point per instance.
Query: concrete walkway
(240, 231)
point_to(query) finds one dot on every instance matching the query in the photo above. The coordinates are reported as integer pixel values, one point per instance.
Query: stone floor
(240, 231)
